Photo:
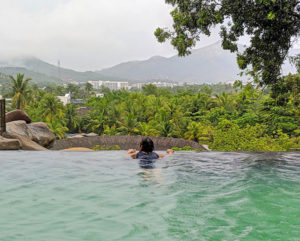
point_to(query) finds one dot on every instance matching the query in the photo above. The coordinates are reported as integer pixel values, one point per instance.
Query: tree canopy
(228, 118)
(272, 26)
(20, 90)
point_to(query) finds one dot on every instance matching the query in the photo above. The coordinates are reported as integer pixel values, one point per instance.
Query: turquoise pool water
(191, 196)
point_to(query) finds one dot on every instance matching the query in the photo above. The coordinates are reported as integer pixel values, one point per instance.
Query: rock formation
(19, 127)
(20, 135)
(16, 115)
(26, 144)
(9, 144)
(42, 134)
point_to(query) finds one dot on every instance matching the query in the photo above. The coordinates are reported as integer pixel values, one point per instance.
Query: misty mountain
(41, 71)
(210, 64)
(37, 78)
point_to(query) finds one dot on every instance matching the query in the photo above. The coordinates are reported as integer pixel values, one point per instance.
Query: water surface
(189, 196)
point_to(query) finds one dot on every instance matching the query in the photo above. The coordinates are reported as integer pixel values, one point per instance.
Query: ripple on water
(190, 196)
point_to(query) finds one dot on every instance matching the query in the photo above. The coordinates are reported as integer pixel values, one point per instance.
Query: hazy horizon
(87, 35)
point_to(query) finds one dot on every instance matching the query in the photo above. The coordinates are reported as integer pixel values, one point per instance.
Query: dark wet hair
(147, 145)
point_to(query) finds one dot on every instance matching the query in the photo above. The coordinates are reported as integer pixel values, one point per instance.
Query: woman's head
(146, 145)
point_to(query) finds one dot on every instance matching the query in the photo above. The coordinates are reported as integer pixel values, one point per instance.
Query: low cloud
(85, 34)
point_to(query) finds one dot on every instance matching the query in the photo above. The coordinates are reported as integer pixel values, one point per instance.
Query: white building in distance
(96, 84)
(157, 84)
(65, 99)
(112, 85)
(99, 95)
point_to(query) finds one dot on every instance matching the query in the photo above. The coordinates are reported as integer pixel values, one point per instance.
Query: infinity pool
(106, 196)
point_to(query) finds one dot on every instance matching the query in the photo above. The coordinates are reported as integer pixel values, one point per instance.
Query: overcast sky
(85, 34)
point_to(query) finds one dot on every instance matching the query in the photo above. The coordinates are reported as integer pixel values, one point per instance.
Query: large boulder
(41, 134)
(9, 144)
(33, 136)
(16, 115)
(20, 128)
(26, 144)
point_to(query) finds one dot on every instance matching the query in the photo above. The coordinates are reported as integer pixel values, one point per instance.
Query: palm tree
(96, 123)
(192, 132)
(163, 123)
(225, 101)
(72, 117)
(58, 129)
(128, 124)
(146, 129)
(110, 131)
(20, 90)
(51, 109)
(88, 89)
(199, 132)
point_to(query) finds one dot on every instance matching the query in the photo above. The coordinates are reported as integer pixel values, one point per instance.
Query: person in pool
(146, 151)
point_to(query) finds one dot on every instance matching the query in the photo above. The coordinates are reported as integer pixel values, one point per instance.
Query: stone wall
(125, 142)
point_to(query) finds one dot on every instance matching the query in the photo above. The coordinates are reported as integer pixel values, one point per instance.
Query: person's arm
(133, 156)
(169, 151)
(131, 153)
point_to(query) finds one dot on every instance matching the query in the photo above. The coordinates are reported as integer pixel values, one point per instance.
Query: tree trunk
(19, 103)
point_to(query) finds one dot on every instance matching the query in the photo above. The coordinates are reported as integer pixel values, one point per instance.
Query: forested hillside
(245, 118)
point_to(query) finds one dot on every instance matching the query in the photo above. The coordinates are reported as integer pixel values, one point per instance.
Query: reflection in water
(151, 175)
(147, 164)
(149, 172)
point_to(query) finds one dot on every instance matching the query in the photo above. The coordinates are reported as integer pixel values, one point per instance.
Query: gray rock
(42, 134)
(9, 144)
(26, 144)
(16, 115)
(20, 128)
(90, 134)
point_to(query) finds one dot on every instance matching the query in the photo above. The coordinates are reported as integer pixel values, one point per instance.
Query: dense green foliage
(20, 91)
(245, 118)
(271, 25)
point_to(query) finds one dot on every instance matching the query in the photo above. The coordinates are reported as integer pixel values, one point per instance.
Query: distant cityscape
(117, 85)
(112, 85)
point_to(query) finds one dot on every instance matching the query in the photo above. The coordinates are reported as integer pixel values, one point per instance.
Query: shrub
(229, 137)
